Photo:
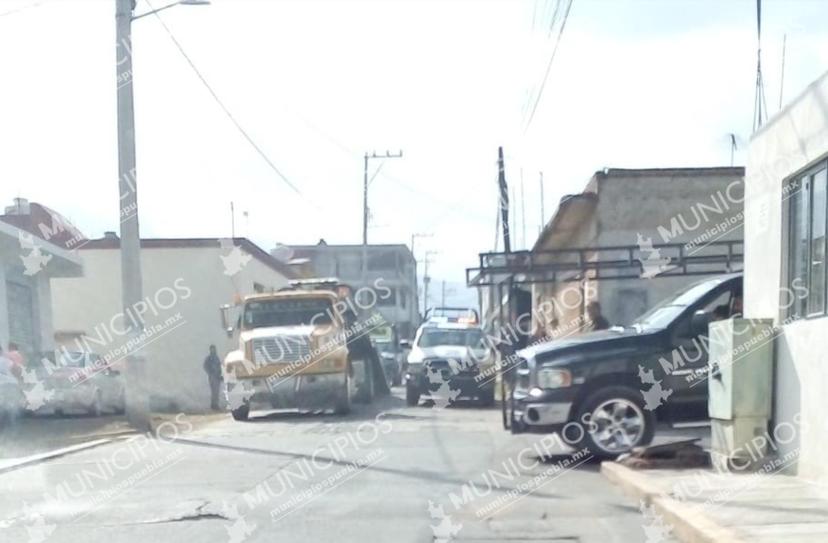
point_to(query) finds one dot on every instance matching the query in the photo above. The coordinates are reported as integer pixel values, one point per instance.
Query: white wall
(4, 309)
(790, 142)
(176, 352)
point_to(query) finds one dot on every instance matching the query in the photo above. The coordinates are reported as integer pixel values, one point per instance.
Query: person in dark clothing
(212, 366)
(721, 313)
(596, 319)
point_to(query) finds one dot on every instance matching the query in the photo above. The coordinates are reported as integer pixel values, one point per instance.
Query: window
(468, 337)
(389, 300)
(348, 266)
(807, 197)
(719, 307)
(382, 261)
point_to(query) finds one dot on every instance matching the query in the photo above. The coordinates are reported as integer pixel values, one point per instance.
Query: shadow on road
(590, 463)
(425, 475)
(358, 412)
(36, 434)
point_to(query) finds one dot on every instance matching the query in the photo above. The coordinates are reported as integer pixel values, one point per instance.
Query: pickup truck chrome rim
(617, 425)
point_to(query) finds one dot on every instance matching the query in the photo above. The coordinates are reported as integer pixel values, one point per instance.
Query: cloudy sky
(317, 83)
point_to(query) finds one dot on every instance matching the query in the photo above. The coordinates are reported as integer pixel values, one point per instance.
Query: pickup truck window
(668, 310)
(723, 300)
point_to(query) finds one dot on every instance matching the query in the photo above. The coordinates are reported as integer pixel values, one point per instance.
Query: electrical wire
(21, 9)
(549, 66)
(224, 108)
(554, 18)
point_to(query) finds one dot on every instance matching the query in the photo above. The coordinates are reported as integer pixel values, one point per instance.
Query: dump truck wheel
(241, 413)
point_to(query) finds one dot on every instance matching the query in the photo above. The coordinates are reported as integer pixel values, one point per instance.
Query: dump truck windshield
(287, 312)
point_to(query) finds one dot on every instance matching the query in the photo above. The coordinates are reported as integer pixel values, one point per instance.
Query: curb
(17, 463)
(689, 526)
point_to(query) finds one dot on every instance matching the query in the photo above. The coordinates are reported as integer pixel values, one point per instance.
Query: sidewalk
(35, 435)
(40, 438)
(700, 505)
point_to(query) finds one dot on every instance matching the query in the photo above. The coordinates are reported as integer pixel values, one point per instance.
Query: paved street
(385, 473)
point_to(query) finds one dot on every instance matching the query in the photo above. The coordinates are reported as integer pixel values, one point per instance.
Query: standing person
(212, 366)
(11, 399)
(17, 359)
(596, 319)
(5, 363)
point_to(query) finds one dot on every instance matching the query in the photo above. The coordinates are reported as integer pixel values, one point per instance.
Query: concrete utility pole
(137, 397)
(137, 401)
(522, 212)
(504, 201)
(426, 279)
(414, 255)
(543, 212)
(365, 207)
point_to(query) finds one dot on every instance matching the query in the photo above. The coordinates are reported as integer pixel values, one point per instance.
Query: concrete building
(185, 281)
(392, 264)
(34, 251)
(785, 277)
(639, 208)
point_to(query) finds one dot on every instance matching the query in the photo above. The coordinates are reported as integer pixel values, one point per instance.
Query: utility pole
(232, 221)
(443, 294)
(136, 391)
(137, 400)
(522, 211)
(543, 212)
(367, 157)
(782, 71)
(426, 279)
(732, 147)
(413, 254)
(504, 201)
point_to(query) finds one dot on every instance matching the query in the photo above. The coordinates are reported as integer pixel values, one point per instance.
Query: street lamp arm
(136, 17)
(173, 4)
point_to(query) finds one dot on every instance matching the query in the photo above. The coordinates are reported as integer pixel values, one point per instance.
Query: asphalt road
(387, 472)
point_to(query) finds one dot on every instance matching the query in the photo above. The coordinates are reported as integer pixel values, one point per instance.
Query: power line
(226, 111)
(340, 145)
(549, 66)
(554, 18)
(21, 9)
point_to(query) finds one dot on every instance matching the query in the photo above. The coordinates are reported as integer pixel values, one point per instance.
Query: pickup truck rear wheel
(343, 403)
(487, 397)
(613, 421)
(365, 386)
(241, 413)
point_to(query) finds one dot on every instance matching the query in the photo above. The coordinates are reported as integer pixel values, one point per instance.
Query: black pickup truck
(604, 390)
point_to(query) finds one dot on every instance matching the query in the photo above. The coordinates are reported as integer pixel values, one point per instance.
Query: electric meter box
(740, 383)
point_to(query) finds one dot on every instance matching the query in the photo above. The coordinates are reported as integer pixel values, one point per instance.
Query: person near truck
(596, 320)
(17, 359)
(212, 366)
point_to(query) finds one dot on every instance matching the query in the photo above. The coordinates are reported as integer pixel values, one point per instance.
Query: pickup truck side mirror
(224, 310)
(405, 344)
(699, 323)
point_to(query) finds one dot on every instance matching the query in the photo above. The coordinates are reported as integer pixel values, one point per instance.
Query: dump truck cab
(294, 352)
